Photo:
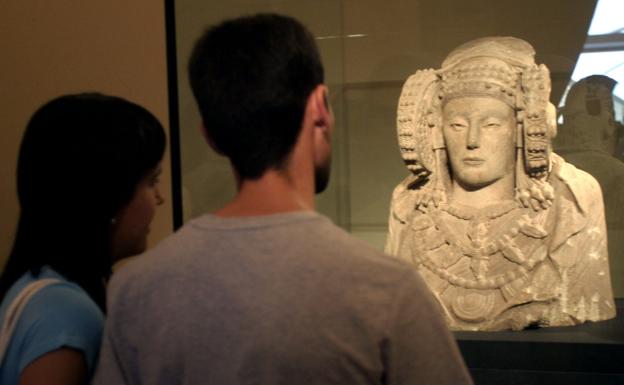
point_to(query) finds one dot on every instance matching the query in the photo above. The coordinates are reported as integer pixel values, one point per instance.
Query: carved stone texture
(506, 234)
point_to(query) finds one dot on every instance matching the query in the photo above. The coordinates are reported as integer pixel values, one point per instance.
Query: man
(265, 290)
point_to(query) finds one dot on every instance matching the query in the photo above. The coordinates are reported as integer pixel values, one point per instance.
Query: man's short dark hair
(252, 77)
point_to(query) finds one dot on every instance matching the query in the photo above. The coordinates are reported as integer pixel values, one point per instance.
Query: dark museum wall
(55, 47)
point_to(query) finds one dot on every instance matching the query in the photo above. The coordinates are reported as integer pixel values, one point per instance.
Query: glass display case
(369, 48)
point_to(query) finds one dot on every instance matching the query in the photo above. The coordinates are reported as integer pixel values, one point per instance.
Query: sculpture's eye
(457, 125)
(492, 124)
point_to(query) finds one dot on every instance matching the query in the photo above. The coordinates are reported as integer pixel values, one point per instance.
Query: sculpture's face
(480, 136)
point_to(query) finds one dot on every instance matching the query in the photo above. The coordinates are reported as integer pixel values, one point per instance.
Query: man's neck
(273, 193)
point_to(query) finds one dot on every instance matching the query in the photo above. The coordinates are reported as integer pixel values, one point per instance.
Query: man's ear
(322, 108)
(209, 140)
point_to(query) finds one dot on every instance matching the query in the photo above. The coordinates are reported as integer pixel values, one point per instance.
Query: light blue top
(59, 315)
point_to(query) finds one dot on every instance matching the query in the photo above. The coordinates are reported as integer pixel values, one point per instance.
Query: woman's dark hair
(80, 161)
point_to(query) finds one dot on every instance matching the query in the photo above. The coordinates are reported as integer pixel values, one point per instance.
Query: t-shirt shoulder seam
(212, 222)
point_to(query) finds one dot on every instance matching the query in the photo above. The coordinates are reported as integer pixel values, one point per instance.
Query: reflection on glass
(609, 63)
(590, 138)
(591, 135)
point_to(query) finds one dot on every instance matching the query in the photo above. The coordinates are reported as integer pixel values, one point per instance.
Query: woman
(87, 180)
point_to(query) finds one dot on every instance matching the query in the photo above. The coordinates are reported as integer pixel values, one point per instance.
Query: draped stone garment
(509, 267)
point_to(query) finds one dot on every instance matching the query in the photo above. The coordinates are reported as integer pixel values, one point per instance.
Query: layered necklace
(480, 245)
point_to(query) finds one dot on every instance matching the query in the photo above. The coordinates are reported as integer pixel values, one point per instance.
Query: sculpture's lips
(473, 161)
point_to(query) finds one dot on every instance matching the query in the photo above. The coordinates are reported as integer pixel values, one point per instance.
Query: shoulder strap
(15, 309)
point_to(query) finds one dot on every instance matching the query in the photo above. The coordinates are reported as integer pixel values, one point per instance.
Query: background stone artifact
(589, 138)
(506, 234)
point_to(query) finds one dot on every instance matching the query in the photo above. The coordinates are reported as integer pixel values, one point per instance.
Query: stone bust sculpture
(506, 234)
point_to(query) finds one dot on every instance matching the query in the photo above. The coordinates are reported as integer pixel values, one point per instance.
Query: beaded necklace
(481, 247)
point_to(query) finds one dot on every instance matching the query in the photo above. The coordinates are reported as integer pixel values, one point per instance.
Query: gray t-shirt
(280, 299)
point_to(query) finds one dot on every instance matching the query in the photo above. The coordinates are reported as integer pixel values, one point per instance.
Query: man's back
(279, 299)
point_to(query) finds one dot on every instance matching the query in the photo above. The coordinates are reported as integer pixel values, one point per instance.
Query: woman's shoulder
(60, 307)
(64, 302)
(59, 298)
(60, 314)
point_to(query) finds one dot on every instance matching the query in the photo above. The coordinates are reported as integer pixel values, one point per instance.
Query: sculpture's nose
(473, 136)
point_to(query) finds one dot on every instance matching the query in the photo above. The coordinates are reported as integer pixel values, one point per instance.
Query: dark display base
(591, 353)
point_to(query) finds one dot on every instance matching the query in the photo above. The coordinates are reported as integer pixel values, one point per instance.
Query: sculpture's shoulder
(406, 220)
(403, 201)
(579, 245)
(583, 187)
(579, 205)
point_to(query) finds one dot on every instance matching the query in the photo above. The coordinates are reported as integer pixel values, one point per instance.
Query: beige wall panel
(56, 47)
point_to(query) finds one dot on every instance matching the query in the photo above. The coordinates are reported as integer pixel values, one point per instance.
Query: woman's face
(132, 222)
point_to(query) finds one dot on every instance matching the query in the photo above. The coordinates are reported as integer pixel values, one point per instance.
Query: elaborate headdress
(500, 67)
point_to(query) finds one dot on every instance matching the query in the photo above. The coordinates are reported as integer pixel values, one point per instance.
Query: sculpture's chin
(470, 182)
